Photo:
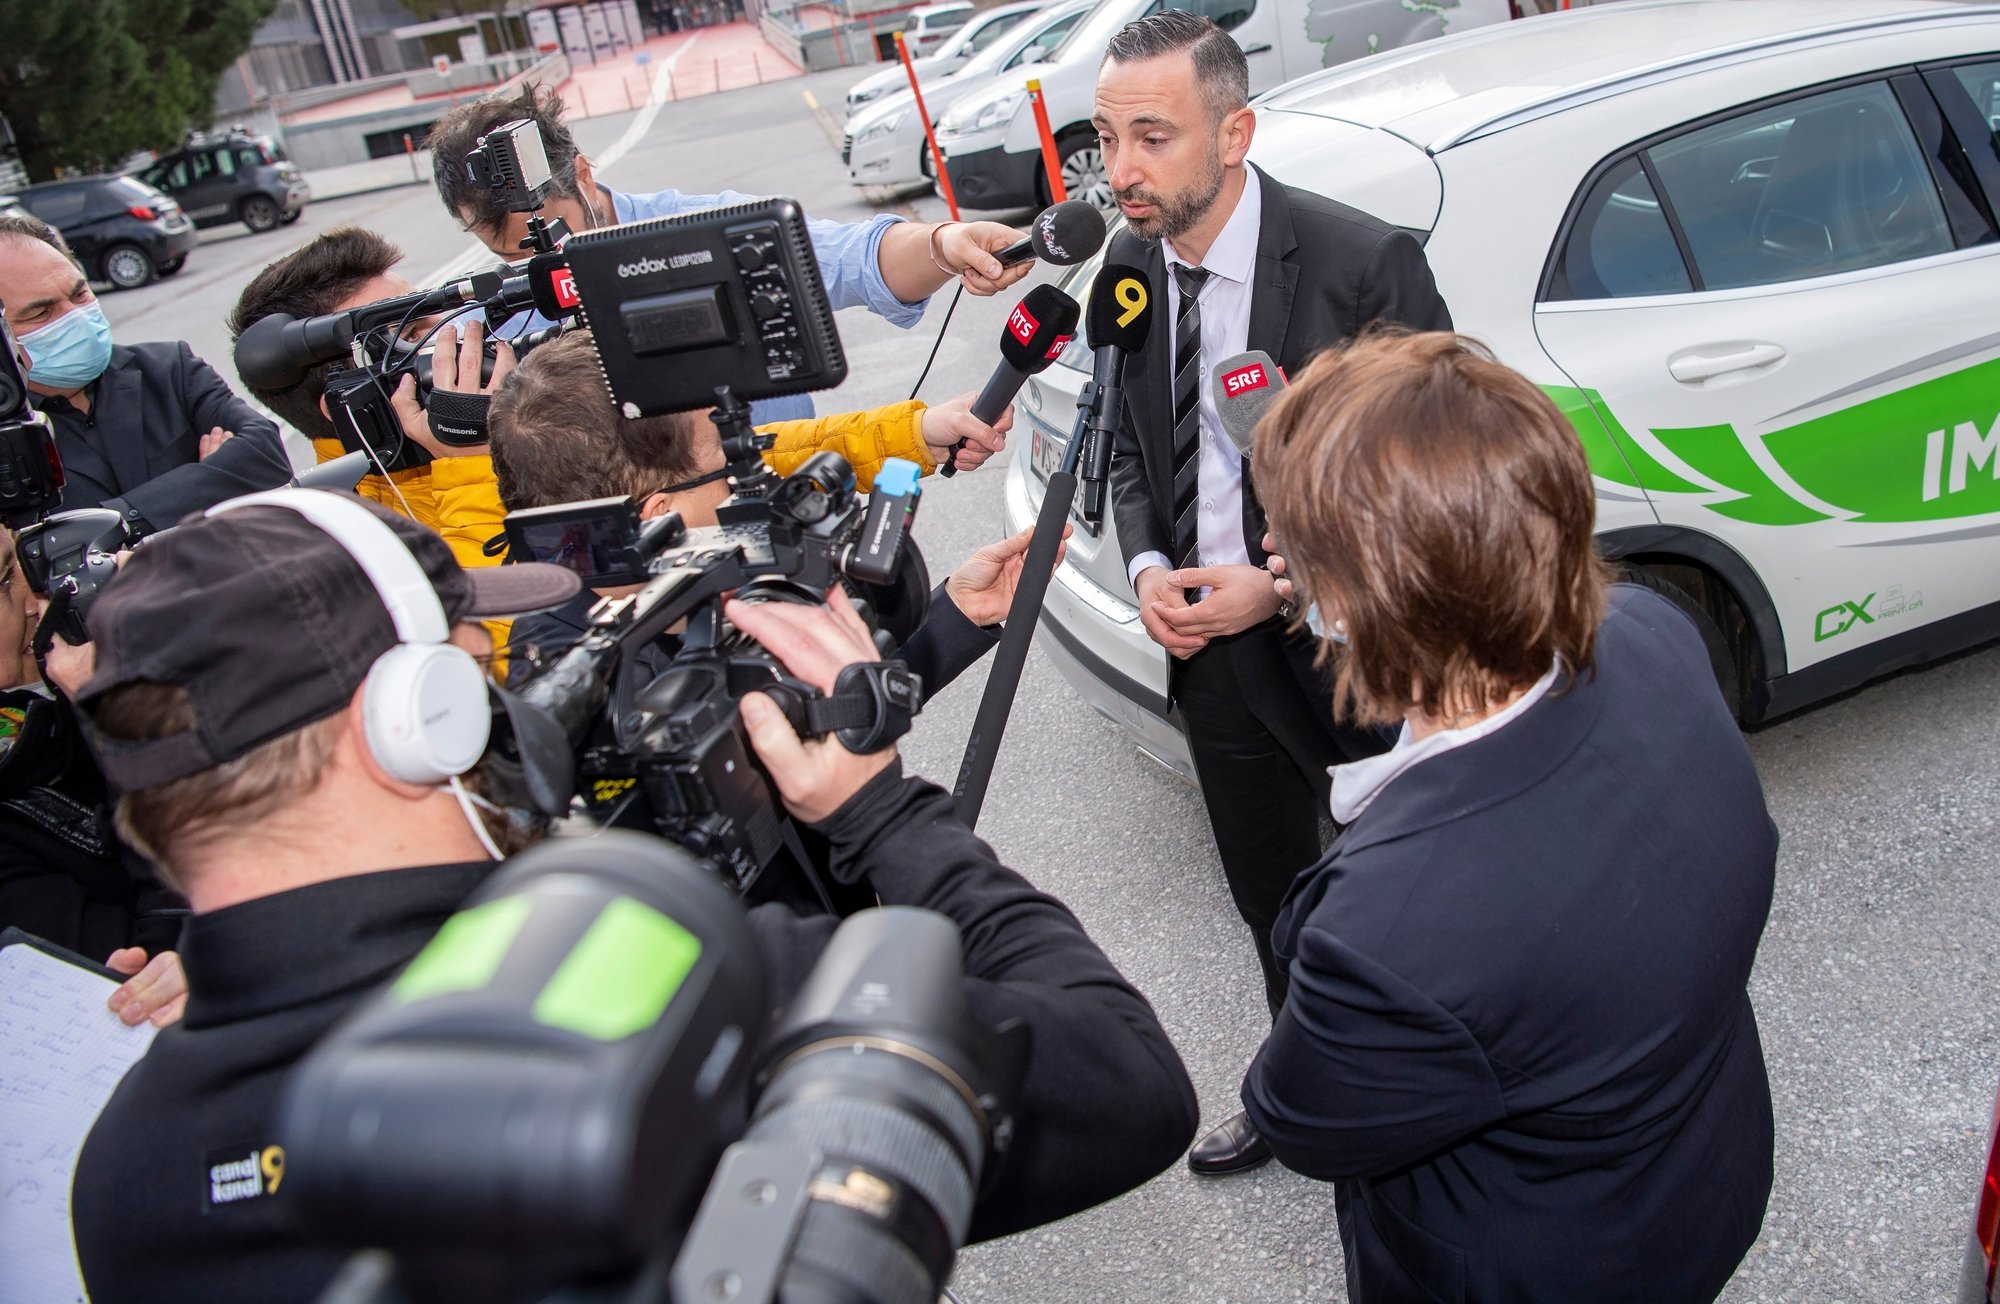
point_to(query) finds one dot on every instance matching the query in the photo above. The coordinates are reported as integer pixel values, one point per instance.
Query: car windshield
(995, 57)
(960, 42)
(1095, 32)
(132, 190)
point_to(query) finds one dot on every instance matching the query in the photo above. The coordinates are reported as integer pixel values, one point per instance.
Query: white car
(885, 144)
(979, 32)
(932, 25)
(1749, 249)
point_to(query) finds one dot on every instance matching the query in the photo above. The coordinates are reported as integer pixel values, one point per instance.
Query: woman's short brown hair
(1439, 505)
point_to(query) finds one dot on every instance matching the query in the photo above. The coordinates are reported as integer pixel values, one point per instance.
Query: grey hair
(1219, 66)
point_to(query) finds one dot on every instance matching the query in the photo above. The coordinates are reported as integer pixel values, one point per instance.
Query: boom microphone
(1245, 387)
(1062, 234)
(1040, 327)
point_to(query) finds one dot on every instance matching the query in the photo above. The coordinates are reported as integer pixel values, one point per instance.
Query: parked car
(885, 144)
(1749, 250)
(930, 25)
(235, 177)
(990, 141)
(979, 33)
(1982, 1245)
(121, 229)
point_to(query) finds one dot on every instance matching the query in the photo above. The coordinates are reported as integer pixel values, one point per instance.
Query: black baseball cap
(270, 624)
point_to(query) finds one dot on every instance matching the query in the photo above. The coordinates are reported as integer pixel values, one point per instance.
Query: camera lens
(901, 1147)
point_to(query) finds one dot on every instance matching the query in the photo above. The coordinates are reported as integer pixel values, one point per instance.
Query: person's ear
(655, 505)
(1237, 129)
(356, 730)
(586, 179)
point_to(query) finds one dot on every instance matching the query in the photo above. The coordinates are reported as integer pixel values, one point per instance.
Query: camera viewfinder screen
(593, 547)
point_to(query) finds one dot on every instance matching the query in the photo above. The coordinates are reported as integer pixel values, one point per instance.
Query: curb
(319, 198)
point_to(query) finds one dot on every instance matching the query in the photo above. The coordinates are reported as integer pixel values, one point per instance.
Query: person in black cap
(292, 759)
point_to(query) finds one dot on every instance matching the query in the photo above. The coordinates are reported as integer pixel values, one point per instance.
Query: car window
(201, 166)
(990, 33)
(1039, 49)
(56, 206)
(130, 190)
(246, 156)
(1982, 83)
(1620, 244)
(225, 161)
(1829, 183)
(1225, 14)
(176, 177)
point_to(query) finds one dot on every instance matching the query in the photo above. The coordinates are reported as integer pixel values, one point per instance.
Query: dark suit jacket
(1518, 1036)
(137, 449)
(1325, 272)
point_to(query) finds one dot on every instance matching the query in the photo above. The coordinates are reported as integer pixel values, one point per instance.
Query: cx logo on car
(1835, 621)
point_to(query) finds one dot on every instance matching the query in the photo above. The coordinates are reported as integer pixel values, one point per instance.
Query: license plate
(1048, 454)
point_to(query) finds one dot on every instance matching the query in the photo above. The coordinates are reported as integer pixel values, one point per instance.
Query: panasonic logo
(647, 266)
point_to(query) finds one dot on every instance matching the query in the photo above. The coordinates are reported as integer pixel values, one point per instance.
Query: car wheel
(1083, 174)
(1700, 600)
(259, 213)
(173, 265)
(127, 266)
(292, 217)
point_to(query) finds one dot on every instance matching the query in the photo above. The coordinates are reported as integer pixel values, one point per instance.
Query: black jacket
(1518, 1037)
(1325, 272)
(137, 449)
(1106, 1105)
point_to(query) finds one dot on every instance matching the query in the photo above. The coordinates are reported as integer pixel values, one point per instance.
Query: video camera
(31, 471)
(533, 1110)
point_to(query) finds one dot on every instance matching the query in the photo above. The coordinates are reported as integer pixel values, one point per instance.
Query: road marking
(477, 255)
(826, 123)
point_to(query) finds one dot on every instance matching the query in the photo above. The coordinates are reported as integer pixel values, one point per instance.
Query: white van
(994, 153)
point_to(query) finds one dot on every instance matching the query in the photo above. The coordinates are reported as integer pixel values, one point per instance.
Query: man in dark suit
(1239, 261)
(148, 430)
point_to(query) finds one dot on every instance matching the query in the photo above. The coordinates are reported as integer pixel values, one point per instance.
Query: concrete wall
(335, 142)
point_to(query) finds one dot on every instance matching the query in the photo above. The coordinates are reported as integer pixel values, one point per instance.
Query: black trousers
(1261, 747)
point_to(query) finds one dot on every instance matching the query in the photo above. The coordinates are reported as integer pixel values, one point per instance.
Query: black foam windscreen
(554, 288)
(1038, 329)
(1067, 233)
(1121, 308)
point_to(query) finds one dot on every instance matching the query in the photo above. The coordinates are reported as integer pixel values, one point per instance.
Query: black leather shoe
(1233, 1146)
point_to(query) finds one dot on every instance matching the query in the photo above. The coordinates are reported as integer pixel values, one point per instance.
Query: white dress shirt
(1225, 332)
(1358, 783)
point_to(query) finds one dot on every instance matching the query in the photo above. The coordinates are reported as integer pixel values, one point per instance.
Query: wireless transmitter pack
(680, 306)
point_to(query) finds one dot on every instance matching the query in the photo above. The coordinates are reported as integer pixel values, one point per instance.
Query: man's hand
(950, 421)
(214, 439)
(1280, 585)
(971, 246)
(1239, 597)
(815, 644)
(455, 365)
(983, 588)
(1159, 599)
(69, 666)
(155, 991)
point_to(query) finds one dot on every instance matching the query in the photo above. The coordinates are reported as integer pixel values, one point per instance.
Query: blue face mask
(1336, 632)
(70, 351)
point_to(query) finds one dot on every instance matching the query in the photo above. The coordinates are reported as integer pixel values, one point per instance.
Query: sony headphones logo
(433, 718)
(647, 266)
(1244, 379)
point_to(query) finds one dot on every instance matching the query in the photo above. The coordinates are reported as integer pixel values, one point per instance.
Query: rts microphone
(1040, 327)
(1121, 316)
(552, 285)
(1245, 387)
(1062, 234)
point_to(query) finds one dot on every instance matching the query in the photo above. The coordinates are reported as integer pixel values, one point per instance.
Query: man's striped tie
(1187, 415)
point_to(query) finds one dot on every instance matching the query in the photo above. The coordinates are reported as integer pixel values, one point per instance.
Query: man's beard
(1178, 214)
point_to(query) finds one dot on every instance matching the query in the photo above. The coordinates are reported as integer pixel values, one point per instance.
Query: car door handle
(1695, 365)
(1265, 48)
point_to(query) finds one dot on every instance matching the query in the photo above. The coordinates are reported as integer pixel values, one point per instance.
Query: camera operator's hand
(69, 666)
(211, 441)
(970, 246)
(814, 644)
(949, 422)
(455, 364)
(983, 588)
(155, 991)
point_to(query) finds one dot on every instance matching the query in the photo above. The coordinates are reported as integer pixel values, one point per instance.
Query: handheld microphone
(553, 286)
(1062, 234)
(1121, 317)
(1245, 387)
(1040, 327)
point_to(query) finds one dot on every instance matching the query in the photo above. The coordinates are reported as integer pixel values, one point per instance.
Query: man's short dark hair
(1219, 66)
(459, 130)
(557, 438)
(26, 226)
(306, 282)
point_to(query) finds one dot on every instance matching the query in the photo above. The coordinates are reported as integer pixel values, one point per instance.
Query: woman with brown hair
(1518, 1036)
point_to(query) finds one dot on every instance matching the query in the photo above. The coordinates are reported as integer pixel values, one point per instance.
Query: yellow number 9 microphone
(1129, 294)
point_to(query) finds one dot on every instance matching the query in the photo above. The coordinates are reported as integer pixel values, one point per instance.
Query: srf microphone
(1121, 316)
(1245, 387)
(1062, 234)
(1040, 327)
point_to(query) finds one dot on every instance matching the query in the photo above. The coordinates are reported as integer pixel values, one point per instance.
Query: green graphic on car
(1930, 452)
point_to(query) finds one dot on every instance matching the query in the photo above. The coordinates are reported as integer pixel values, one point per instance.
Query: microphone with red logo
(1038, 330)
(553, 286)
(1063, 234)
(1245, 387)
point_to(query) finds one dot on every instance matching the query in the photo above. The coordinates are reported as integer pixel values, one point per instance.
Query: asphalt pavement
(1874, 987)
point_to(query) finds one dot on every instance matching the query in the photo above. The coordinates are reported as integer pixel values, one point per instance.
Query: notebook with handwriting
(61, 1054)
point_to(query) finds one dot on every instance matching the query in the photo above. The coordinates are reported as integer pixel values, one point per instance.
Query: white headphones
(424, 705)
